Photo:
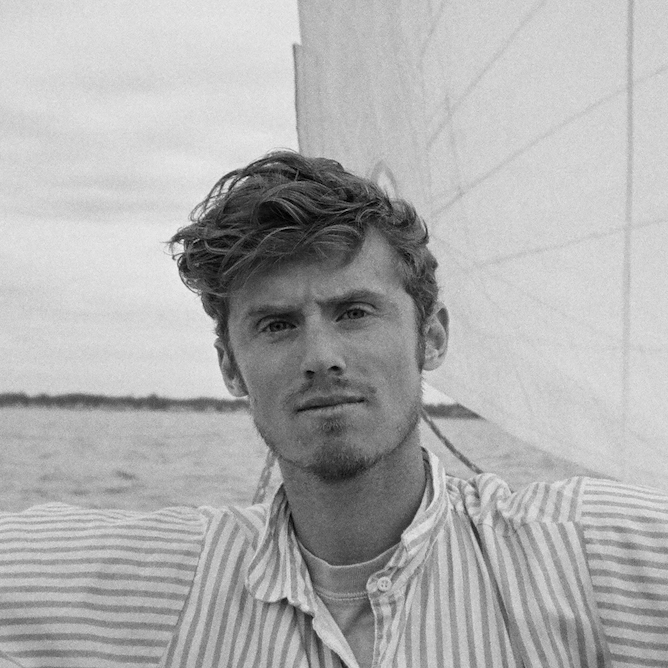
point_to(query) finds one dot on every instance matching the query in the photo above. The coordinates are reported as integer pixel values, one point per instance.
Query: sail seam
(486, 68)
(463, 191)
(538, 250)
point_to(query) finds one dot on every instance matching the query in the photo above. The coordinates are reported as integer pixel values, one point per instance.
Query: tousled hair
(285, 207)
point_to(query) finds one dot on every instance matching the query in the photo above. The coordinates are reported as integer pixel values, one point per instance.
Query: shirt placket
(329, 634)
(381, 588)
(336, 650)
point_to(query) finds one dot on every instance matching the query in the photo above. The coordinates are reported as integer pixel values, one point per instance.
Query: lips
(327, 401)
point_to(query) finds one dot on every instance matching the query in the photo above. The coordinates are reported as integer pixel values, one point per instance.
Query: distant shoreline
(153, 402)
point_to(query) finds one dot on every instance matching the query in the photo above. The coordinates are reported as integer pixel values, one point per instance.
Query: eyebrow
(355, 295)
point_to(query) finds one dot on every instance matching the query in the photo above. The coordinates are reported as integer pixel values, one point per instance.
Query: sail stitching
(452, 108)
(540, 138)
(501, 259)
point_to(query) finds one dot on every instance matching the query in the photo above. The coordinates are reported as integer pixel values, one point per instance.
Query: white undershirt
(343, 591)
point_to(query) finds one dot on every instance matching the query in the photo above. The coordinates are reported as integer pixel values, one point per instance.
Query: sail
(532, 136)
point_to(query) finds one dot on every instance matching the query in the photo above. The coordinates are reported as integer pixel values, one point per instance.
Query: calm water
(146, 460)
(126, 459)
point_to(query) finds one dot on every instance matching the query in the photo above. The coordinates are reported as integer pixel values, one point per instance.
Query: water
(145, 460)
(126, 459)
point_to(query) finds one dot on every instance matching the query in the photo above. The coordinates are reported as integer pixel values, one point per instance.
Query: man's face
(328, 355)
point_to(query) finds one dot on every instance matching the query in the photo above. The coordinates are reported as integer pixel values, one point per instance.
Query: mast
(628, 231)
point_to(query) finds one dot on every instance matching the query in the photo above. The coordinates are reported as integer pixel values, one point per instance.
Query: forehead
(373, 268)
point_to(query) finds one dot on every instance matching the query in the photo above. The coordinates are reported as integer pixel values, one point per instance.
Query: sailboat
(532, 138)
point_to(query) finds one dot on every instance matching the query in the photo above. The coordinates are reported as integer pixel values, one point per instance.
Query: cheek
(402, 348)
(399, 364)
(260, 387)
(263, 402)
(265, 381)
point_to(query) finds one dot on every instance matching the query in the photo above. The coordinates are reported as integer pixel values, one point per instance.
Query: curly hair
(285, 207)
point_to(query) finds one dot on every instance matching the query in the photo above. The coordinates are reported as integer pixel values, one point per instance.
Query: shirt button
(384, 584)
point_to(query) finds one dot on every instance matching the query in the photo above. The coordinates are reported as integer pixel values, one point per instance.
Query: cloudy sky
(116, 119)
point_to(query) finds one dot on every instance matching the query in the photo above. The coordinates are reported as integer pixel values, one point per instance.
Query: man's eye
(354, 314)
(276, 326)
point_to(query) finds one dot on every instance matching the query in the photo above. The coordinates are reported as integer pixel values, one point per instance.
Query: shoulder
(54, 543)
(487, 499)
(595, 504)
(625, 536)
(625, 529)
(610, 504)
(179, 535)
(107, 583)
(235, 524)
(56, 522)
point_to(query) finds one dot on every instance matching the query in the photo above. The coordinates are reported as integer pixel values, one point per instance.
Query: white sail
(533, 138)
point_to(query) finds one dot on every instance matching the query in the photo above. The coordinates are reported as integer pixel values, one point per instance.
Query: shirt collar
(278, 571)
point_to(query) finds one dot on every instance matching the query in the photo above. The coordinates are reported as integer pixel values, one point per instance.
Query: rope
(265, 476)
(462, 458)
(264, 479)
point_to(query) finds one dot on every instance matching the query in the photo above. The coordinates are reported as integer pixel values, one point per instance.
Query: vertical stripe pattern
(566, 575)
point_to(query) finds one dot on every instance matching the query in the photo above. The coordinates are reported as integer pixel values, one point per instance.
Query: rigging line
(502, 259)
(486, 68)
(552, 309)
(626, 275)
(265, 477)
(545, 135)
(526, 148)
(550, 306)
(441, 437)
(435, 21)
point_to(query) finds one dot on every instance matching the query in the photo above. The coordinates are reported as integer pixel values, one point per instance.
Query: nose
(322, 353)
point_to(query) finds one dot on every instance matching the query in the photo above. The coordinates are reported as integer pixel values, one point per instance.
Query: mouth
(325, 402)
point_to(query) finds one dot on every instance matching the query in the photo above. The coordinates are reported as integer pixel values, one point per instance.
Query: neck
(355, 520)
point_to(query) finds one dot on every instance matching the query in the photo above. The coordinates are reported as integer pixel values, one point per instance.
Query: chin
(339, 463)
(334, 449)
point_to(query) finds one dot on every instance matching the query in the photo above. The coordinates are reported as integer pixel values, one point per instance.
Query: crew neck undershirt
(343, 591)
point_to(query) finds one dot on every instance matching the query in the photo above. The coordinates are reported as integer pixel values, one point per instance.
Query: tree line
(153, 402)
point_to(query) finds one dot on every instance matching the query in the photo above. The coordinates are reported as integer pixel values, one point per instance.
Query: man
(325, 301)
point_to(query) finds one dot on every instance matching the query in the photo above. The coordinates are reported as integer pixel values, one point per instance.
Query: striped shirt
(560, 575)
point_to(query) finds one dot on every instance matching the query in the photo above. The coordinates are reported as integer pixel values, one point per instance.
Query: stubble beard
(339, 459)
(335, 462)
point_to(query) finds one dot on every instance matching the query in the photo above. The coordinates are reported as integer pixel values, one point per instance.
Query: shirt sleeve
(625, 531)
(83, 587)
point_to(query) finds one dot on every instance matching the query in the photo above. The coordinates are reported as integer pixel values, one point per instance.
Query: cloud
(102, 96)
(117, 117)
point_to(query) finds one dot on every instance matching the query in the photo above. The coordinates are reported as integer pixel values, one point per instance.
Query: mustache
(319, 388)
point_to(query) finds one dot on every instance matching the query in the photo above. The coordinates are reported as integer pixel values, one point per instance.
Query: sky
(116, 119)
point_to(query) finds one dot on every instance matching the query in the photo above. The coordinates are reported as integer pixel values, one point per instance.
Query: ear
(228, 367)
(436, 338)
